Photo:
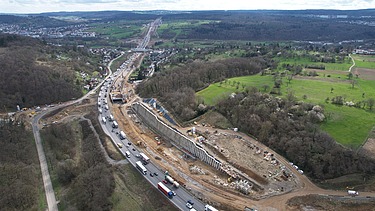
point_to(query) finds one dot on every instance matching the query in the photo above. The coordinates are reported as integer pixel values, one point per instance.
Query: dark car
(133, 149)
(190, 202)
(165, 182)
(151, 174)
(156, 174)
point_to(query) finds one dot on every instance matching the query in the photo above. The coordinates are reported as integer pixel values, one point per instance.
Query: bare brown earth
(322, 202)
(368, 74)
(369, 147)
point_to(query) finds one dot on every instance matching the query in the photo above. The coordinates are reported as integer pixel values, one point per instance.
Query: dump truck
(165, 190)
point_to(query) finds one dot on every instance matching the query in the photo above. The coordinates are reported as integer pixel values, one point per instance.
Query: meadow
(305, 61)
(348, 125)
(117, 31)
(177, 28)
(364, 61)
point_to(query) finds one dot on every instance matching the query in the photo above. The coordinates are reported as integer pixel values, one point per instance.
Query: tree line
(266, 26)
(176, 87)
(20, 179)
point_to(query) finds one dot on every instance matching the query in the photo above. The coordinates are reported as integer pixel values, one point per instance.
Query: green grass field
(364, 61)
(305, 61)
(117, 31)
(180, 27)
(348, 125)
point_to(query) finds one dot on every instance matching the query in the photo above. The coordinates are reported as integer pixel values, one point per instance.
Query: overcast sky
(38, 6)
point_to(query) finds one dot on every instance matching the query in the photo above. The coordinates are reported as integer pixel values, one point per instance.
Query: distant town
(79, 30)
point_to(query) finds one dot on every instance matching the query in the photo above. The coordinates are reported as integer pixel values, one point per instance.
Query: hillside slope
(34, 73)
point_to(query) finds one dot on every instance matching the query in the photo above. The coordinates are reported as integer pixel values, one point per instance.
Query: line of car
(102, 102)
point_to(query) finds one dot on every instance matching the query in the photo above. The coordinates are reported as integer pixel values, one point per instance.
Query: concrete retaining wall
(177, 138)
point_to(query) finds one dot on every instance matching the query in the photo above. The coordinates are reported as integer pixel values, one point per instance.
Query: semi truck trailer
(165, 190)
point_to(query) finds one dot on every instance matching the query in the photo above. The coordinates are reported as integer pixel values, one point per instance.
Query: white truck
(122, 135)
(353, 193)
(144, 158)
(141, 167)
(114, 124)
(210, 208)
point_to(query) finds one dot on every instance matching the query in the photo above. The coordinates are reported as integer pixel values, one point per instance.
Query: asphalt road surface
(50, 194)
(182, 195)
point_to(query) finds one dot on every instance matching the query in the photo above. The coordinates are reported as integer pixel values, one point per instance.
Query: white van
(122, 135)
(127, 153)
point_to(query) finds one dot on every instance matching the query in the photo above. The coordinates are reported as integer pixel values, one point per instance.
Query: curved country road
(350, 68)
(50, 194)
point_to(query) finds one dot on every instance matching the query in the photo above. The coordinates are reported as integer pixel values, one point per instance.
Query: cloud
(37, 6)
(87, 1)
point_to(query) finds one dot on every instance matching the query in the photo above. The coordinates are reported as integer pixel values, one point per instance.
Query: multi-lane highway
(154, 173)
(124, 144)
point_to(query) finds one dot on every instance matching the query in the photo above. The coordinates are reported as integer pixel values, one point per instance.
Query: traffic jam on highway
(160, 179)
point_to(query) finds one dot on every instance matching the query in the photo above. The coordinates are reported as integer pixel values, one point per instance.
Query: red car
(165, 182)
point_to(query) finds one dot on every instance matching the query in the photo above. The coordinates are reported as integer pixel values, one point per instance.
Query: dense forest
(37, 21)
(176, 87)
(267, 26)
(20, 178)
(34, 73)
(84, 173)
